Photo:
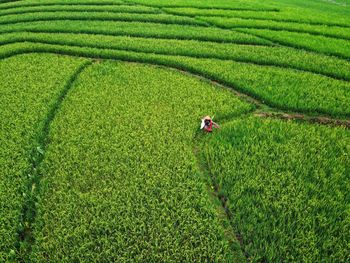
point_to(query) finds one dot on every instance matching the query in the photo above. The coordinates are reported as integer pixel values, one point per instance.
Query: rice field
(102, 158)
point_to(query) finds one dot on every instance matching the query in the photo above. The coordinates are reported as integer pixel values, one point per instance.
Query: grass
(285, 183)
(151, 201)
(25, 99)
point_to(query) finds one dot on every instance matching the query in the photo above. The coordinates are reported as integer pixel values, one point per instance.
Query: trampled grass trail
(121, 182)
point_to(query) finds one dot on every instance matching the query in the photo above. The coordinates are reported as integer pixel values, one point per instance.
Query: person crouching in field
(207, 124)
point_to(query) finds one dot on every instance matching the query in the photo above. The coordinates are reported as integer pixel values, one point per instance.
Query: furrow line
(99, 46)
(25, 235)
(304, 118)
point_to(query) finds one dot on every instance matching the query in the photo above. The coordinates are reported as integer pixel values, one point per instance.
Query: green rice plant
(262, 55)
(286, 187)
(323, 30)
(81, 8)
(292, 15)
(99, 16)
(321, 44)
(282, 88)
(29, 85)
(212, 4)
(153, 30)
(121, 180)
(31, 3)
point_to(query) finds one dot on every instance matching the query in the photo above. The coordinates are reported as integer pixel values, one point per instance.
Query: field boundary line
(246, 61)
(28, 215)
(250, 98)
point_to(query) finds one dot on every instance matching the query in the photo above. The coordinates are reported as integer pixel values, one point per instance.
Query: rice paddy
(102, 158)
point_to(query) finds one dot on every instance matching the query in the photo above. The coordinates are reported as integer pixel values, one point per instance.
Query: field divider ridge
(25, 235)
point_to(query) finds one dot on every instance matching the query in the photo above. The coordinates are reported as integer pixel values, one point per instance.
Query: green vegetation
(292, 15)
(137, 29)
(81, 8)
(283, 88)
(325, 45)
(286, 186)
(102, 157)
(121, 182)
(29, 85)
(273, 56)
(328, 31)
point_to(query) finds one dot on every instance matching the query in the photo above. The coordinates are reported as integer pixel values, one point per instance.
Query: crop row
(286, 186)
(218, 4)
(81, 8)
(285, 15)
(278, 87)
(29, 85)
(262, 55)
(137, 29)
(246, 21)
(328, 31)
(325, 45)
(30, 3)
(104, 16)
(193, 4)
(121, 182)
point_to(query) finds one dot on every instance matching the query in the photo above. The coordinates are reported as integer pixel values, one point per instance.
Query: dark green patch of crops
(287, 188)
(29, 86)
(121, 181)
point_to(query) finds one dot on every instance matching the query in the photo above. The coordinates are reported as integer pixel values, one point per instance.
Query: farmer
(208, 124)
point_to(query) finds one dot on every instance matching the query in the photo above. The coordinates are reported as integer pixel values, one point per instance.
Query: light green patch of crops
(282, 88)
(121, 181)
(325, 45)
(275, 56)
(287, 188)
(169, 31)
(29, 85)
